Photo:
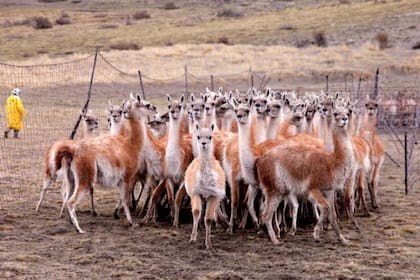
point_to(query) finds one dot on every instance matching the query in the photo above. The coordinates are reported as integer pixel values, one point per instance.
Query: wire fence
(54, 94)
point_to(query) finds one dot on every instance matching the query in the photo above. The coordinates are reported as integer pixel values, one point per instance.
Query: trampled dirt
(42, 245)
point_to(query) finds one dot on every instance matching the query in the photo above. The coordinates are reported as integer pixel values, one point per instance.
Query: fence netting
(54, 94)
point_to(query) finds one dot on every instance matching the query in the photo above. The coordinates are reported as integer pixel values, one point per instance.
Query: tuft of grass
(288, 27)
(320, 39)
(228, 13)
(62, 21)
(170, 6)
(42, 23)
(124, 46)
(382, 39)
(141, 15)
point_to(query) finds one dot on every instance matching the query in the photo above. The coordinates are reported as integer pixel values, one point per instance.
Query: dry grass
(199, 24)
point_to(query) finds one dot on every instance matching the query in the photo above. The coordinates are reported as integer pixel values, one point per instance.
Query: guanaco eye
(335, 114)
(210, 138)
(169, 106)
(203, 106)
(198, 137)
(179, 107)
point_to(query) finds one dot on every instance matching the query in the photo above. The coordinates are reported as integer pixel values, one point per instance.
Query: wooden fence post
(142, 86)
(186, 80)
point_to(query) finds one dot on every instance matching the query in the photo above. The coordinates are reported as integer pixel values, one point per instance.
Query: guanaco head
(204, 136)
(158, 123)
(90, 120)
(260, 104)
(223, 107)
(341, 117)
(311, 109)
(138, 107)
(273, 108)
(298, 113)
(175, 107)
(197, 106)
(210, 103)
(371, 107)
(114, 113)
(242, 112)
(242, 98)
(326, 106)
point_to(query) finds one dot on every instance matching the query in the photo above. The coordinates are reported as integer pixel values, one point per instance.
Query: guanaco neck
(134, 142)
(273, 127)
(342, 148)
(258, 127)
(368, 130)
(325, 133)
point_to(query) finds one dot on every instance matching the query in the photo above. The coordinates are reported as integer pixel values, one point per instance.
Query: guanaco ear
(181, 99)
(234, 102)
(212, 127)
(220, 90)
(207, 90)
(132, 97)
(267, 92)
(192, 98)
(168, 97)
(109, 102)
(230, 95)
(138, 98)
(205, 98)
(250, 101)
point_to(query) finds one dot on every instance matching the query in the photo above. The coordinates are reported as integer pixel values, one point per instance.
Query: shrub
(124, 46)
(382, 39)
(61, 21)
(223, 40)
(51, 1)
(288, 27)
(228, 13)
(320, 39)
(416, 46)
(42, 23)
(302, 43)
(108, 26)
(170, 6)
(141, 15)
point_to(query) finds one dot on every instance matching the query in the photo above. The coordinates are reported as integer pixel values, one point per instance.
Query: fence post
(252, 80)
(326, 86)
(186, 80)
(85, 107)
(141, 85)
(212, 82)
(405, 163)
(358, 88)
(345, 84)
(375, 90)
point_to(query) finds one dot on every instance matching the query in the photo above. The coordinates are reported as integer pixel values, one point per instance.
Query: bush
(223, 40)
(42, 23)
(382, 39)
(108, 26)
(416, 46)
(141, 15)
(51, 1)
(228, 13)
(124, 46)
(170, 6)
(302, 43)
(320, 39)
(61, 21)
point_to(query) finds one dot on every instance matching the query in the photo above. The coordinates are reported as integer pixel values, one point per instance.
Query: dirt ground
(42, 245)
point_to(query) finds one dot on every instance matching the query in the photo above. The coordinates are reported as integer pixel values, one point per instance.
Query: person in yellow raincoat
(15, 113)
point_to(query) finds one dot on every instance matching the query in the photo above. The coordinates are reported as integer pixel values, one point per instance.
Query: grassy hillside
(111, 24)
